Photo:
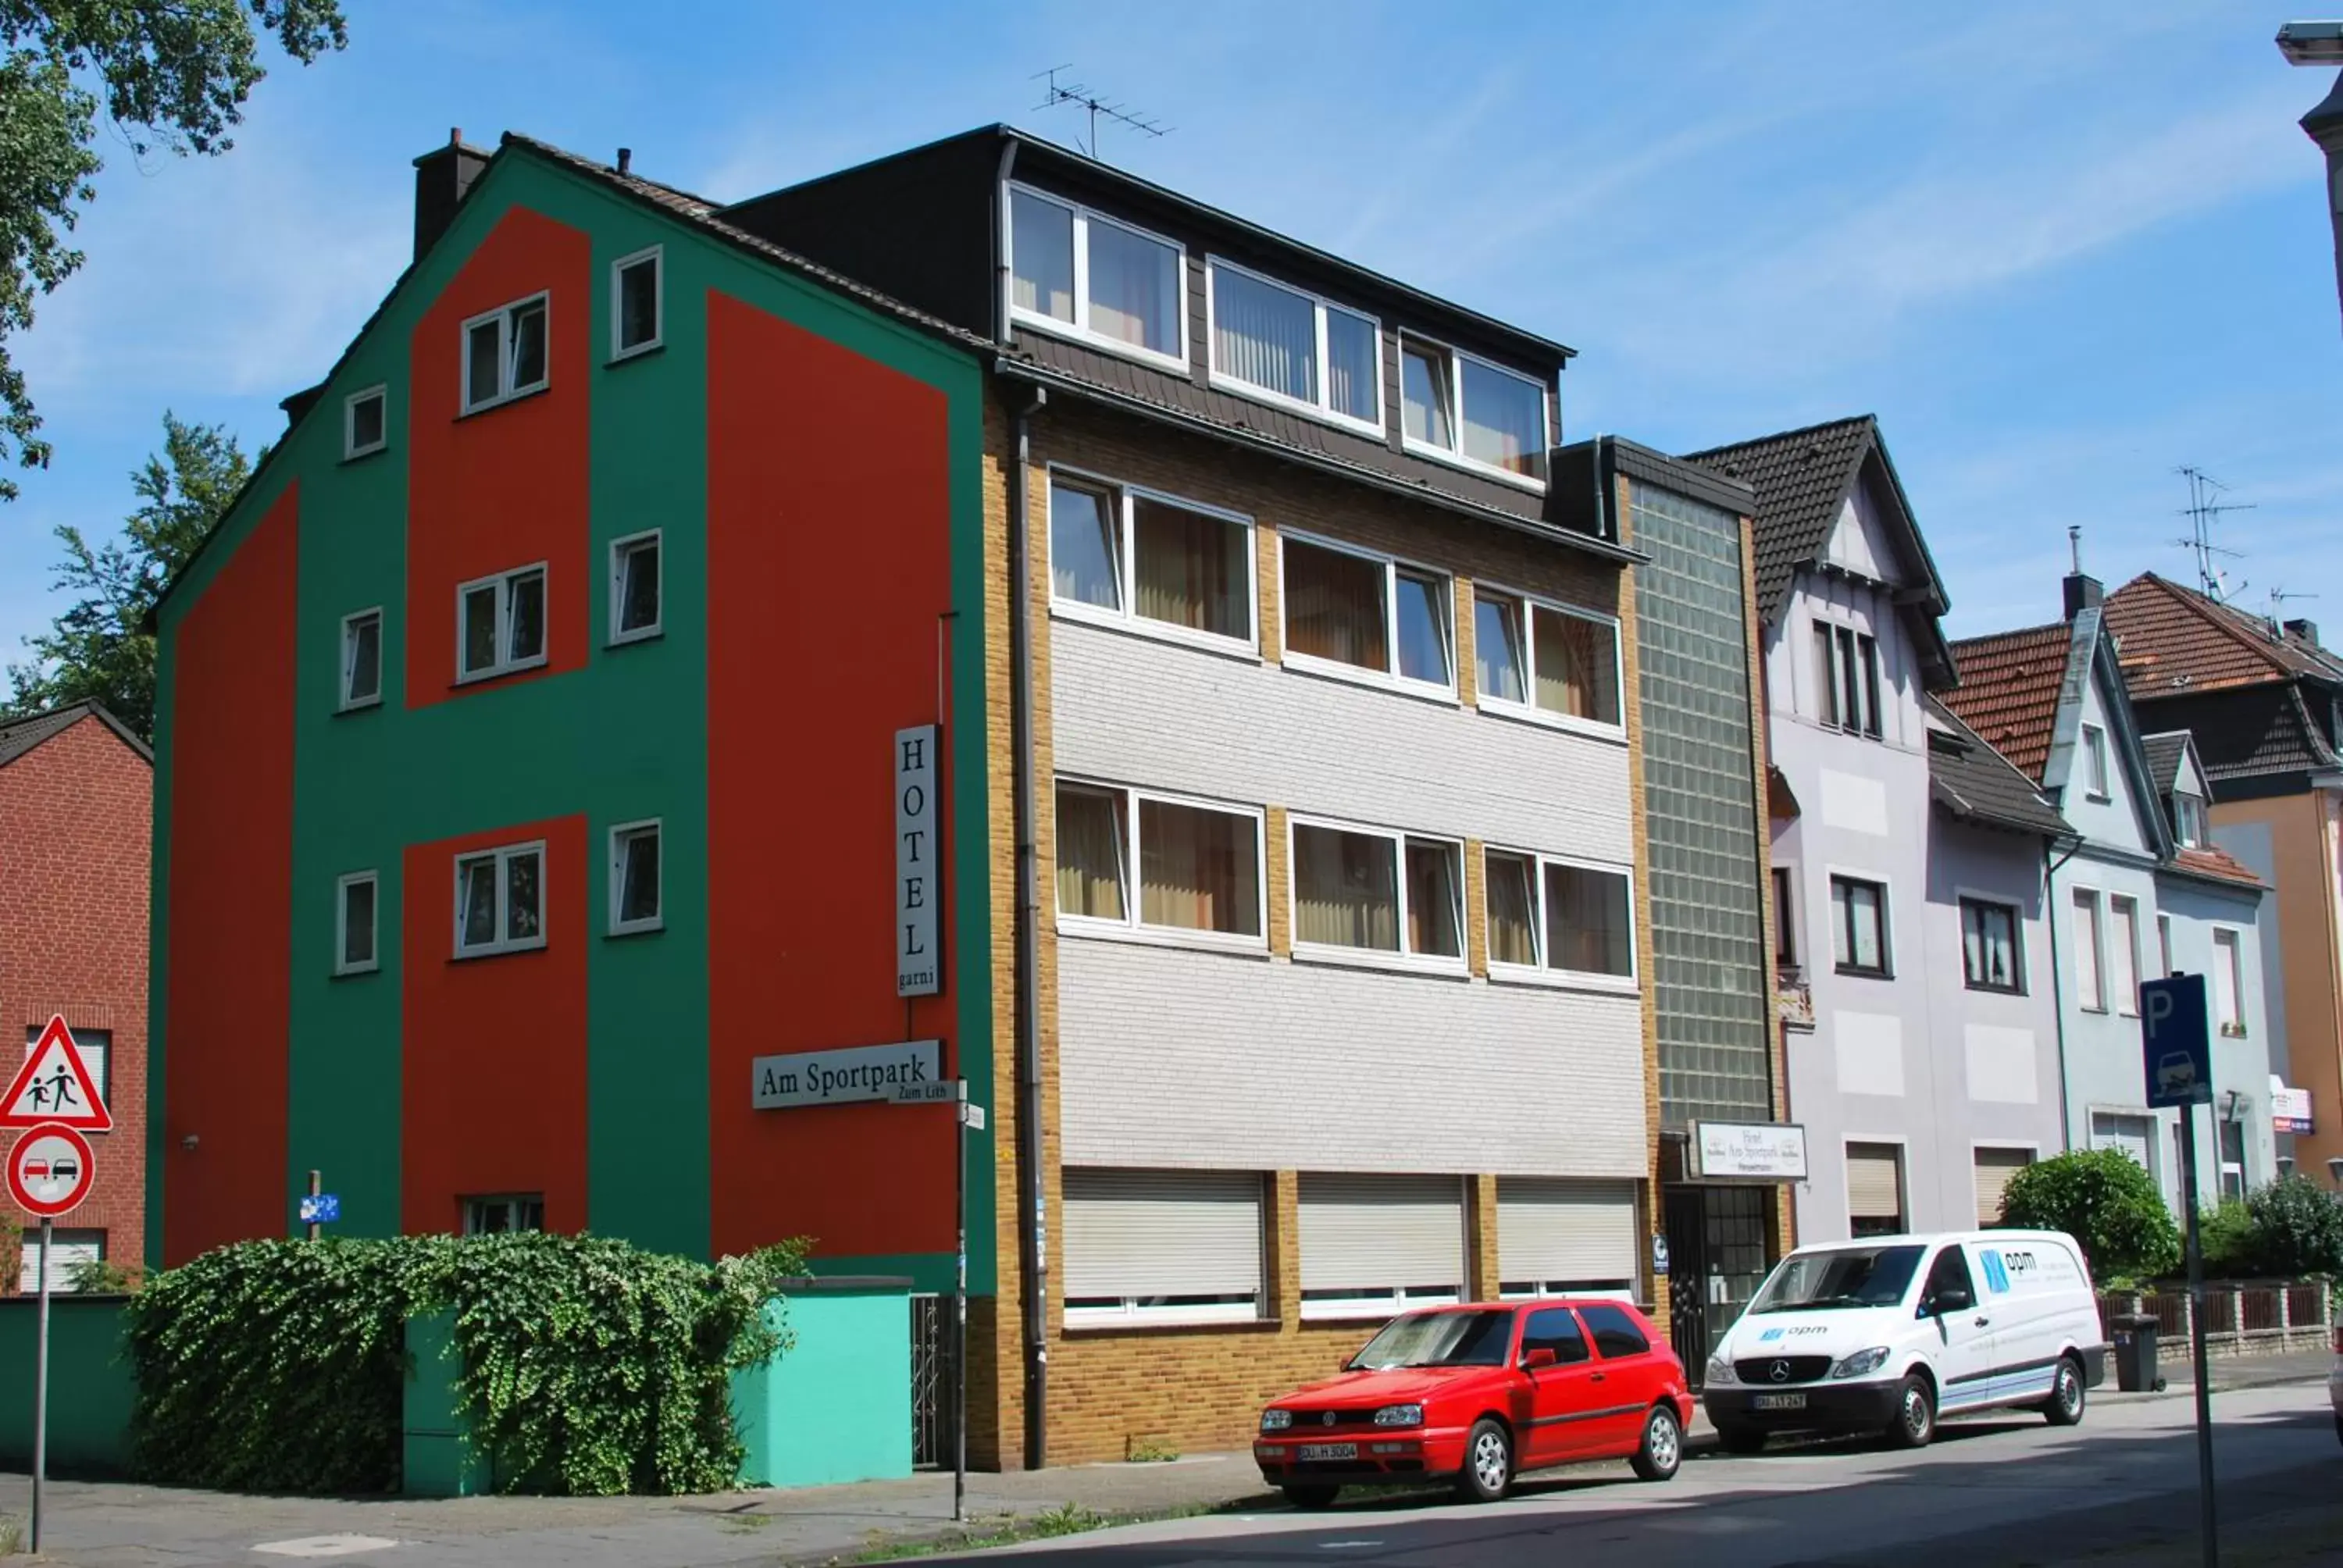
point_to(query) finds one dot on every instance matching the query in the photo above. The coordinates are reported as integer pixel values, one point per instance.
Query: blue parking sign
(320, 1208)
(2175, 1041)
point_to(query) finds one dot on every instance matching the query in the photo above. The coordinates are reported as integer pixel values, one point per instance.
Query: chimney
(2083, 592)
(442, 178)
(2307, 630)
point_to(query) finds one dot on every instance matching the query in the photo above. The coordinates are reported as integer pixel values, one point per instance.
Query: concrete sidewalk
(109, 1525)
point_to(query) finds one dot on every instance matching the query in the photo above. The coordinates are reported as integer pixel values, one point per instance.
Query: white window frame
(1528, 709)
(656, 539)
(2122, 1005)
(656, 256)
(504, 665)
(621, 832)
(2188, 819)
(1542, 973)
(1376, 958)
(2164, 942)
(351, 622)
(1392, 565)
(1132, 1312)
(1130, 929)
(1124, 618)
(2097, 901)
(1323, 408)
(503, 854)
(1079, 329)
(1454, 457)
(1375, 1306)
(2098, 776)
(507, 390)
(351, 450)
(2233, 953)
(477, 1202)
(342, 886)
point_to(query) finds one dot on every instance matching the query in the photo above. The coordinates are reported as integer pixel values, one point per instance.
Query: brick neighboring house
(75, 800)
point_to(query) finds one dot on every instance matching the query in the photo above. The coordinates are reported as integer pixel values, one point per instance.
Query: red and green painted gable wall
(814, 464)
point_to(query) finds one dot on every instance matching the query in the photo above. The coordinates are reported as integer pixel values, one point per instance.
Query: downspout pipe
(1032, 1247)
(2050, 913)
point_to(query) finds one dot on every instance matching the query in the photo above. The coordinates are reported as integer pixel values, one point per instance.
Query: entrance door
(1687, 1233)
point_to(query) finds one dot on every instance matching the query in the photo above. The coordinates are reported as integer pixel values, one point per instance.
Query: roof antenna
(2201, 512)
(2075, 545)
(1081, 96)
(2278, 602)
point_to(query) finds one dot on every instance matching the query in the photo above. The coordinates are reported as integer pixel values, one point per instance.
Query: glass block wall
(1702, 813)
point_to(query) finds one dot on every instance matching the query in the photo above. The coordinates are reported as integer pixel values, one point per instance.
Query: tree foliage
(169, 75)
(2107, 1201)
(2298, 1229)
(99, 647)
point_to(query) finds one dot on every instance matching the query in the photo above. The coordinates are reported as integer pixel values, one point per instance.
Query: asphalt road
(2120, 1489)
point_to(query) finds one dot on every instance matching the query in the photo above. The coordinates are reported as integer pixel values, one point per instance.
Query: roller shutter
(1378, 1234)
(1994, 1167)
(1875, 1185)
(1141, 1235)
(68, 1251)
(1555, 1233)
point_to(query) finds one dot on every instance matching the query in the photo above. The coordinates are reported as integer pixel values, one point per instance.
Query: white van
(1886, 1333)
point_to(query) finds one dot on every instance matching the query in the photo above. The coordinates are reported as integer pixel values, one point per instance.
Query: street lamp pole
(2321, 43)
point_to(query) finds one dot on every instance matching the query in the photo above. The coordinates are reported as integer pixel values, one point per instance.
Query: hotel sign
(795, 1080)
(1749, 1151)
(917, 970)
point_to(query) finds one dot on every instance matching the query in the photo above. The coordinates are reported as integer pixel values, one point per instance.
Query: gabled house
(2263, 701)
(2131, 899)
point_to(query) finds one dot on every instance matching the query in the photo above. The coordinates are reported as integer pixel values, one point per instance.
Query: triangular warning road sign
(56, 1086)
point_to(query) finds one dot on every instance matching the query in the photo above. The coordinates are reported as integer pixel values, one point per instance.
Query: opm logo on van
(1772, 1334)
(2001, 1267)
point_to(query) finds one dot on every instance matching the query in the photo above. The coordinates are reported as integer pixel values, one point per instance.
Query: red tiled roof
(2009, 691)
(2211, 862)
(2175, 640)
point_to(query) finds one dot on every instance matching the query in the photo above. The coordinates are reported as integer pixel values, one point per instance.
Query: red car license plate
(1309, 1451)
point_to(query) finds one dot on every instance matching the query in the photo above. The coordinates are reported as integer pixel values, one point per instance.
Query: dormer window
(2188, 819)
(1463, 409)
(1270, 340)
(1074, 270)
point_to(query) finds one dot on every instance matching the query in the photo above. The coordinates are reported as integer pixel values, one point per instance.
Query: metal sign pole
(2197, 1338)
(959, 1309)
(41, 1387)
(316, 1187)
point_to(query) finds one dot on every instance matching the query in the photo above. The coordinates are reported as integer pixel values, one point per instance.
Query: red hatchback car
(1477, 1394)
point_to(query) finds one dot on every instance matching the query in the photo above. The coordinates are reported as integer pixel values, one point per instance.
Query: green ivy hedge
(590, 1366)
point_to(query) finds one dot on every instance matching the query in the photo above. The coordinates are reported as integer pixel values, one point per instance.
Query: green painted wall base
(91, 1389)
(437, 1459)
(837, 1406)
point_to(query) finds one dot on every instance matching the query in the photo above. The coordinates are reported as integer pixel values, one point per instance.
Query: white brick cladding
(1135, 710)
(1175, 1058)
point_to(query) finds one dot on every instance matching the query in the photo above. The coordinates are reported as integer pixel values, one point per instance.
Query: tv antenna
(2278, 599)
(2202, 511)
(1083, 97)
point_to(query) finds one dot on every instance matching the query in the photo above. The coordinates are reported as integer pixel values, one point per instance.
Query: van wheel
(1915, 1414)
(1662, 1452)
(1741, 1439)
(1488, 1471)
(2064, 1405)
(1312, 1497)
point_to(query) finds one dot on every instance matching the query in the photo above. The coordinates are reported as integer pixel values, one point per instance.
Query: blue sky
(2059, 250)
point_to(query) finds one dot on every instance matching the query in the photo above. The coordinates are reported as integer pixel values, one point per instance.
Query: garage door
(1556, 1236)
(69, 1250)
(1994, 1167)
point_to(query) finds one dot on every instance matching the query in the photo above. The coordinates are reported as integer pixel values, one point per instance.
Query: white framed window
(2090, 950)
(2164, 944)
(2095, 762)
(1349, 611)
(501, 623)
(637, 604)
(365, 422)
(635, 903)
(1083, 274)
(2232, 1135)
(2188, 819)
(356, 902)
(1131, 860)
(504, 1212)
(1551, 917)
(500, 901)
(638, 313)
(1373, 891)
(361, 660)
(1162, 1247)
(1989, 946)
(2229, 981)
(1144, 560)
(1371, 1245)
(1859, 927)
(1847, 679)
(506, 353)
(1461, 408)
(2123, 953)
(1536, 659)
(1284, 345)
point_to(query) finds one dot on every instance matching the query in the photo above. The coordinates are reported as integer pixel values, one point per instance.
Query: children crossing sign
(55, 1086)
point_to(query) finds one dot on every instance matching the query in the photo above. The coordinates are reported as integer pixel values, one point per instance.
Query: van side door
(1963, 1330)
(2020, 1290)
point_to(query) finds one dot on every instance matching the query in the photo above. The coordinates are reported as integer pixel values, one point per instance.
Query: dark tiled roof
(19, 736)
(1802, 478)
(2164, 754)
(1976, 783)
(2174, 639)
(2009, 690)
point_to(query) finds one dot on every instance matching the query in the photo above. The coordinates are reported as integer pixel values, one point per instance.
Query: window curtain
(1432, 900)
(1334, 607)
(1345, 890)
(1505, 419)
(1586, 920)
(1134, 288)
(1575, 668)
(1043, 244)
(1090, 854)
(1199, 871)
(1513, 911)
(1189, 569)
(1264, 335)
(1352, 345)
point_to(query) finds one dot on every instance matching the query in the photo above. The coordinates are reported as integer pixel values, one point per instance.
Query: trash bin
(2135, 1346)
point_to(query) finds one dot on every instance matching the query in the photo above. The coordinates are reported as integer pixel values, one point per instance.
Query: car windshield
(1438, 1339)
(1842, 1277)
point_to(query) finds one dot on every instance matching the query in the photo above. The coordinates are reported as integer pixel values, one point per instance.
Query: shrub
(2102, 1198)
(588, 1365)
(2231, 1242)
(2298, 1229)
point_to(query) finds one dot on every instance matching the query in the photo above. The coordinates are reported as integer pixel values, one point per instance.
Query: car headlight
(1860, 1363)
(1721, 1371)
(1399, 1415)
(1276, 1420)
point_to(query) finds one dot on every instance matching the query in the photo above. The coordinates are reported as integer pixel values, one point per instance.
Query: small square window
(505, 353)
(504, 1214)
(635, 588)
(355, 901)
(637, 322)
(364, 427)
(500, 901)
(635, 904)
(500, 624)
(362, 659)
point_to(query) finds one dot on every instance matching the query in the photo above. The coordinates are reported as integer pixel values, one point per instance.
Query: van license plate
(1309, 1451)
(1780, 1401)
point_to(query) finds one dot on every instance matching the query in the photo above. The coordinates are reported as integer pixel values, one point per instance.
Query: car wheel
(2065, 1406)
(1488, 1470)
(1741, 1439)
(1915, 1415)
(1662, 1450)
(1312, 1497)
